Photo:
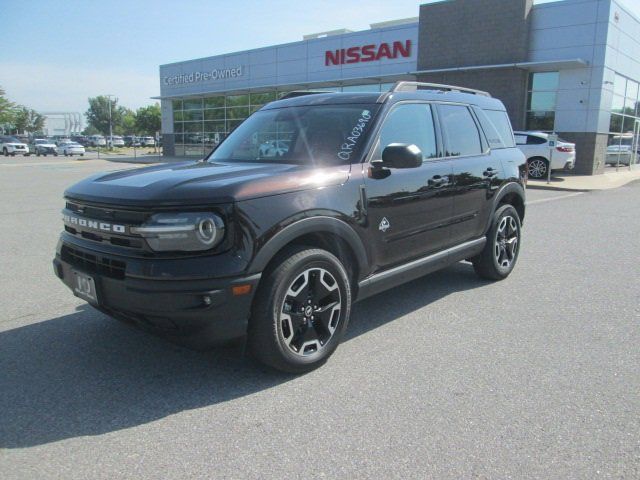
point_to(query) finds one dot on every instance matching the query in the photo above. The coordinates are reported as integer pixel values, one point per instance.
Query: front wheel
(301, 310)
(500, 253)
(5, 152)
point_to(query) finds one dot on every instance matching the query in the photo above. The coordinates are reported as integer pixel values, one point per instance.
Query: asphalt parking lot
(449, 376)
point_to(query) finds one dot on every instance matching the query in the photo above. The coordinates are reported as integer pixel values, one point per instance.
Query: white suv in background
(12, 146)
(97, 141)
(535, 146)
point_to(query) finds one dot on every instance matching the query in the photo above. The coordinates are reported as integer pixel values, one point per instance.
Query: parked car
(97, 141)
(12, 146)
(147, 141)
(620, 151)
(366, 198)
(535, 146)
(70, 149)
(131, 141)
(81, 139)
(44, 146)
(115, 141)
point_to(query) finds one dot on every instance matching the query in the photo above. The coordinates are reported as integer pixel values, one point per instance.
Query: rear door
(409, 210)
(477, 173)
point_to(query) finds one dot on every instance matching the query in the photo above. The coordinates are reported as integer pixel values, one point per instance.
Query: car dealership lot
(448, 376)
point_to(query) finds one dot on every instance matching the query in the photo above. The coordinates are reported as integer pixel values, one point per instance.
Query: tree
(98, 113)
(28, 120)
(7, 112)
(128, 125)
(91, 130)
(148, 119)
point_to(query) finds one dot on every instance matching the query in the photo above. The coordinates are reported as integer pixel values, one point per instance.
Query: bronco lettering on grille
(92, 224)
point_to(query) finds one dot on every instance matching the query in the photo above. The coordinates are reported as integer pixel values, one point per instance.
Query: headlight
(187, 232)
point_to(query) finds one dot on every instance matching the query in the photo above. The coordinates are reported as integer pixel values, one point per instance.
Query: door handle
(490, 172)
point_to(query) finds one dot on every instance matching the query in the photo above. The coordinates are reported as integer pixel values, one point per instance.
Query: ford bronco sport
(364, 192)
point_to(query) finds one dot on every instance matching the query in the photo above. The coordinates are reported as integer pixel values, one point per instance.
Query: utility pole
(110, 143)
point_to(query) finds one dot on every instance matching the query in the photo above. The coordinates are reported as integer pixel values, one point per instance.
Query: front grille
(111, 215)
(91, 263)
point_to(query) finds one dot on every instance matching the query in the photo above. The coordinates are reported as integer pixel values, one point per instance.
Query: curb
(559, 189)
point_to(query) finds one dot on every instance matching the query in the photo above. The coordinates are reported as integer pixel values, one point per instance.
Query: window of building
(209, 119)
(541, 100)
(624, 125)
(462, 136)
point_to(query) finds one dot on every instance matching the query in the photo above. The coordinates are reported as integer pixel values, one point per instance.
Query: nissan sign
(367, 53)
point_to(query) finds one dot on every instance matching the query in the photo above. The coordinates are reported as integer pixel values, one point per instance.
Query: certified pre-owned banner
(195, 77)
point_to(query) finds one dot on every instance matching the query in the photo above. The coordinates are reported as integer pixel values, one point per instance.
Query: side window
(410, 124)
(489, 129)
(462, 133)
(500, 121)
(521, 139)
(533, 140)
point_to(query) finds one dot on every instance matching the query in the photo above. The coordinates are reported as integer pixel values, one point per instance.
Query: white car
(44, 147)
(70, 149)
(535, 146)
(620, 152)
(147, 141)
(97, 141)
(12, 146)
(115, 141)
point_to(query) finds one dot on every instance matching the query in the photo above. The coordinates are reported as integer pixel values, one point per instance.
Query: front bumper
(198, 313)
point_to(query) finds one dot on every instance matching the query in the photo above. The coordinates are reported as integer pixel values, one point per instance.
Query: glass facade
(199, 124)
(624, 126)
(541, 101)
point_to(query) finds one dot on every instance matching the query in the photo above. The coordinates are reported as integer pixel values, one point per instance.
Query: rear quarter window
(502, 126)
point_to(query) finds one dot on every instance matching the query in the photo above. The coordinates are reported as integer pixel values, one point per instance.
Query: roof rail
(301, 93)
(405, 86)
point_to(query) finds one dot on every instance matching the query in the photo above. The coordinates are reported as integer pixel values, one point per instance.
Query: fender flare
(511, 187)
(310, 225)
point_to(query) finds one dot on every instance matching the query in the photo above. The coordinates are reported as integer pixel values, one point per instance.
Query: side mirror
(401, 155)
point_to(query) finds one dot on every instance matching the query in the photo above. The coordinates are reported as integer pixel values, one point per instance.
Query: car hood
(202, 183)
(15, 144)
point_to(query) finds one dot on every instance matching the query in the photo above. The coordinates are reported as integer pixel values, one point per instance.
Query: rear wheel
(538, 167)
(500, 253)
(301, 310)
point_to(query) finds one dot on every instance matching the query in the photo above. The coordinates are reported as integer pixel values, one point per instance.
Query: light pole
(110, 144)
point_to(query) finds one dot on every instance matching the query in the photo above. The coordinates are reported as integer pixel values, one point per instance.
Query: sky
(57, 54)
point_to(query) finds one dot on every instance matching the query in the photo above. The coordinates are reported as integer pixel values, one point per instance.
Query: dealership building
(571, 67)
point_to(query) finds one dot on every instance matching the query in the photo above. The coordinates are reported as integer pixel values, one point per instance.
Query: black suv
(315, 201)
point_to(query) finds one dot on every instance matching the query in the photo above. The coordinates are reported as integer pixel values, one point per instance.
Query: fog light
(206, 299)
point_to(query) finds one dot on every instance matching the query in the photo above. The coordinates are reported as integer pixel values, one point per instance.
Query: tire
(500, 253)
(38, 154)
(5, 152)
(537, 167)
(314, 284)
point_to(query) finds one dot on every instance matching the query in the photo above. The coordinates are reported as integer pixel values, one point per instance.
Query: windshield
(307, 135)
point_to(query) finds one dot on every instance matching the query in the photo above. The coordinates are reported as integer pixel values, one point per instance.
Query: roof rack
(301, 93)
(405, 86)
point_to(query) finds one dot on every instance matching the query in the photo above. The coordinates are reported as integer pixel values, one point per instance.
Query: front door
(409, 210)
